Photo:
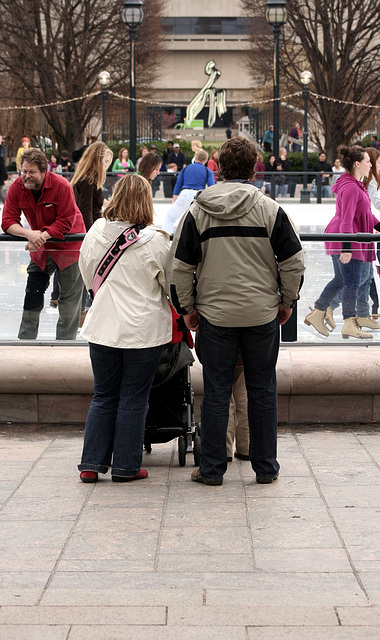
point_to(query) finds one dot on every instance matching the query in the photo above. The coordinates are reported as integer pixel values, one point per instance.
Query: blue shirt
(195, 176)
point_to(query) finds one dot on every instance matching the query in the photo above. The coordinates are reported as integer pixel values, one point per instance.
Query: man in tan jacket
(236, 269)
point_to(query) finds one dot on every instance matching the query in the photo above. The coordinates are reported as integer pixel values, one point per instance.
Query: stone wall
(316, 385)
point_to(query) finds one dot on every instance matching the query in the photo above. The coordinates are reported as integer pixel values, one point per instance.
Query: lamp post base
(305, 196)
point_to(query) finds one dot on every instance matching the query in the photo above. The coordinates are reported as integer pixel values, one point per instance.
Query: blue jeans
(282, 189)
(219, 347)
(362, 301)
(347, 278)
(116, 418)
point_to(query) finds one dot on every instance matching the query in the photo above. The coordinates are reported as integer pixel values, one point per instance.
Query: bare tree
(55, 50)
(338, 41)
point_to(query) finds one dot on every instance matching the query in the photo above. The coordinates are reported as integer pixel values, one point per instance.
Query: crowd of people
(233, 271)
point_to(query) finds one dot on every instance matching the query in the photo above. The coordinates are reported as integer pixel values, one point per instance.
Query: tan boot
(369, 323)
(329, 319)
(316, 319)
(352, 329)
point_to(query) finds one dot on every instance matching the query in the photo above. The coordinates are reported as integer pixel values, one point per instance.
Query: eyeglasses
(30, 173)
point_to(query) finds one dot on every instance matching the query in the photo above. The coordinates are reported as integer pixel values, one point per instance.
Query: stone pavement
(169, 559)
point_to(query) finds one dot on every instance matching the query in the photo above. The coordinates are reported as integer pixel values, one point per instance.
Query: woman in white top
(126, 327)
(372, 183)
(337, 171)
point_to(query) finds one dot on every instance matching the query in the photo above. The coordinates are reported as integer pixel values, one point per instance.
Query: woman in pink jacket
(350, 259)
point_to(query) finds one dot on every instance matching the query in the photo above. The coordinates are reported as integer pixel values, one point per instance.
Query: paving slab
(168, 559)
(312, 633)
(232, 632)
(34, 632)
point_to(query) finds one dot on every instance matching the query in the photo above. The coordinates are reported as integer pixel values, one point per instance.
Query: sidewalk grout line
(164, 509)
(247, 517)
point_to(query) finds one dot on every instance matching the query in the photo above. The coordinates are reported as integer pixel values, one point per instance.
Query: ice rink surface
(310, 218)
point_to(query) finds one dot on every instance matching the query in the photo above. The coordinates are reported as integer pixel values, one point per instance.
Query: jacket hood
(346, 180)
(228, 200)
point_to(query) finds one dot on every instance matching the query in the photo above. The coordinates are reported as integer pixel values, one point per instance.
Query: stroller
(171, 400)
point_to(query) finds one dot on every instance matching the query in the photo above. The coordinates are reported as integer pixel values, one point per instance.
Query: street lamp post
(104, 79)
(276, 15)
(305, 79)
(132, 15)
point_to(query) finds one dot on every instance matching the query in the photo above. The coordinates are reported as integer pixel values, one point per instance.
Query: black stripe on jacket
(234, 232)
(284, 240)
(189, 248)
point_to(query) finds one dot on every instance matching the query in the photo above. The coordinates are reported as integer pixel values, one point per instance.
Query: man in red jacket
(47, 201)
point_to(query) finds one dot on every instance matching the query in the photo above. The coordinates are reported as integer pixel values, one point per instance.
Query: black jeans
(219, 347)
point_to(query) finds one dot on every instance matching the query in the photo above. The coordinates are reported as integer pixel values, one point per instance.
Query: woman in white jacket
(126, 327)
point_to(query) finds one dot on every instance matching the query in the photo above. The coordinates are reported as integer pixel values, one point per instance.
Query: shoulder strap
(124, 240)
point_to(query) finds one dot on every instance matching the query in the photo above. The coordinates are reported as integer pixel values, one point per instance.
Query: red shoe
(89, 476)
(140, 476)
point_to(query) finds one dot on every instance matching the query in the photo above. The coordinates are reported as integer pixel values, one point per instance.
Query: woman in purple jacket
(353, 215)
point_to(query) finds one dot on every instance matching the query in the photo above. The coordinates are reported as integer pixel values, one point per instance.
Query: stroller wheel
(197, 450)
(181, 451)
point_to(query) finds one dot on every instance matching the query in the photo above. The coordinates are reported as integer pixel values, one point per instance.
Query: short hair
(322, 152)
(348, 156)
(237, 159)
(201, 155)
(131, 201)
(35, 156)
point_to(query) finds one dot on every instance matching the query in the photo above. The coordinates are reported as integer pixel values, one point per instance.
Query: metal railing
(271, 178)
(289, 330)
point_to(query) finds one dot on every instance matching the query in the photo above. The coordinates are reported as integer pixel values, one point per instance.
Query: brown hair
(348, 156)
(35, 156)
(131, 201)
(374, 154)
(148, 163)
(91, 167)
(237, 159)
(121, 152)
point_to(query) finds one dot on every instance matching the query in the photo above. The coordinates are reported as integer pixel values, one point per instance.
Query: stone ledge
(315, 384)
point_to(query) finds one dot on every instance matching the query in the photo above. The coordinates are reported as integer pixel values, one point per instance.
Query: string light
(353, 104)
(49, 104)
(160, 103)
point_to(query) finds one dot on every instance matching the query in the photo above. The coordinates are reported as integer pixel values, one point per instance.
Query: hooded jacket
(353, 215)
(131, 309)
(246, 254)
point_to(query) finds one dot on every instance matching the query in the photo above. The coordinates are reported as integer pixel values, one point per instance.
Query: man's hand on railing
(36, 238)
(30, 246)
